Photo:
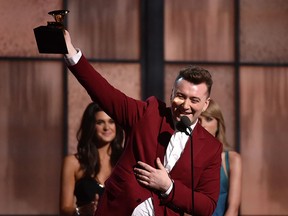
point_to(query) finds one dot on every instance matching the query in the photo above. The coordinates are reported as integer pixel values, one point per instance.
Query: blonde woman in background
(231, 169)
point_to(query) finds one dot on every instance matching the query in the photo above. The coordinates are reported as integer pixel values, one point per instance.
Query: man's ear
(172, 95)
(206, 104)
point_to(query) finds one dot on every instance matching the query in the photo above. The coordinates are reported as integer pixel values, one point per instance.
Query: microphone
(184, 126)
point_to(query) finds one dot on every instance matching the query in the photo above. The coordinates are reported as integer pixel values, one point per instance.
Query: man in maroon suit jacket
(140, 183)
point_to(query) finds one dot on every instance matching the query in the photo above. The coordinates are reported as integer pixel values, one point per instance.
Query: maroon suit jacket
(148, 127)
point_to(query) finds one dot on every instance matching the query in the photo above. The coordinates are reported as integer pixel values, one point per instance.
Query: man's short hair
(196, 75)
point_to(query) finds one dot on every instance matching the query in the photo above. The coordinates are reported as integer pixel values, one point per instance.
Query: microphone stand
(192, 169)
(184, 126)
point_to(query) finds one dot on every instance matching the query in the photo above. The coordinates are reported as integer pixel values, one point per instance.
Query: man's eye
(180, 96)
(195, 100)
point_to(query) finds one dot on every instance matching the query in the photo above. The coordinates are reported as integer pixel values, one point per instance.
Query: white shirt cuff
(169, 190)
(74, 59)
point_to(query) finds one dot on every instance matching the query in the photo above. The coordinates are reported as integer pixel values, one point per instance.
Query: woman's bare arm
(67, 202)
(234, 196)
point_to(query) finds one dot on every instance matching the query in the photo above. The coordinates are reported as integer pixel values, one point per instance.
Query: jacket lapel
(197, 135)
(165, 133)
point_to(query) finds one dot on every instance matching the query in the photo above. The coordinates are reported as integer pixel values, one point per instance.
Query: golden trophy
(50, 38)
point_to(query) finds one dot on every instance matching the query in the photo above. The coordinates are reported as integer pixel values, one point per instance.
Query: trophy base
(50, 40)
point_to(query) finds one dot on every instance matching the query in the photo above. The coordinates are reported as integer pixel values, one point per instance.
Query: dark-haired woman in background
(100, 144)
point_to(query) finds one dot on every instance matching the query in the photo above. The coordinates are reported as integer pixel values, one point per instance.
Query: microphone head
(186, 121)
(184, 124)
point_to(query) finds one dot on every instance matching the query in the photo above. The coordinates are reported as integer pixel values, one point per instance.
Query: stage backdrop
(243, 44)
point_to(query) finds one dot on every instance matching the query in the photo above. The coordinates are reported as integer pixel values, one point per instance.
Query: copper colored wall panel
(31, 137)
(199, 30)
(264, 148)
(264, 30)
(18, 19)
(106, 29)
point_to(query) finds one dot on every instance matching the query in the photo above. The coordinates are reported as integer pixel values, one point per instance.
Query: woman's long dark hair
(87, 152)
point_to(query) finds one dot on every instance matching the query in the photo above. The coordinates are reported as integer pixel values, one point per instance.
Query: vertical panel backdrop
(264, 101)
(243, 43)
(31, 113)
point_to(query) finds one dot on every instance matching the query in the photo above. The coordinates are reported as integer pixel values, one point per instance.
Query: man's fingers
(141, 172)
(159, 164)
(145, 166)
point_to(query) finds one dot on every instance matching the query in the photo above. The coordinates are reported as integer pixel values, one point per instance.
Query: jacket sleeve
(120, 107)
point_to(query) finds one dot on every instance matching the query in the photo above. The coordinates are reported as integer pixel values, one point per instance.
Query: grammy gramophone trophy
(50, 38)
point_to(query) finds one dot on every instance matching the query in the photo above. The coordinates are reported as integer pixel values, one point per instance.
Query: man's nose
(186, 103)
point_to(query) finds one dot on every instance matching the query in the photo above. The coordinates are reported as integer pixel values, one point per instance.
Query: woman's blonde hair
(214, 111)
